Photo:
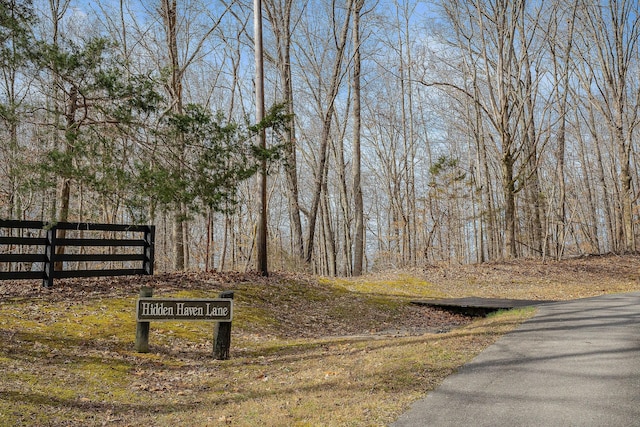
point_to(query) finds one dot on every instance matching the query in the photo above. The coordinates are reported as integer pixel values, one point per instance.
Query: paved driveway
(575, 363)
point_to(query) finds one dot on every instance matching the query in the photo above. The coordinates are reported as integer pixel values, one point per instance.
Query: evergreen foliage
(219, 154)
(195, 159)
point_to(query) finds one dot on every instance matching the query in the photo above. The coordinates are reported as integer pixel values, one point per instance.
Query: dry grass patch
(323, 381)
(534, 279)
(400, 284)
(305, 352)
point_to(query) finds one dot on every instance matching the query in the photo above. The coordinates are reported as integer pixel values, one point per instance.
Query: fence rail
(55, 253)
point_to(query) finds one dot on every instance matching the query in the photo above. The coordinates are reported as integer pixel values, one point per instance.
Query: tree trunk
(320, 169)
(279, 15)
(358, 244)
(345, 208)
(626, 194)
(261, 258)
(562, 73)
(592, 227)
(71, 134)
(329, 241)
(510, 206)
(174, 88)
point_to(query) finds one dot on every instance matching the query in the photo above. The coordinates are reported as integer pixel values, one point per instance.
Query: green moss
(382, 302)
(192, 294)
(73, 363)
(93, 320)
(165, 332)
(334, 281)
(30, 387)
(14, 412)
(105, 379)
(401, 285)
(253, 317)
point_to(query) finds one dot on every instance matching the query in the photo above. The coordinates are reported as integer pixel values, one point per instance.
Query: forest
(396, 133)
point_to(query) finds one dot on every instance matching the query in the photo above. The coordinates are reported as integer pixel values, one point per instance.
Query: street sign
(156, 309)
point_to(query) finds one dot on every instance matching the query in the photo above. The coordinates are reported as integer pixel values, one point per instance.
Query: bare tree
(320, 171)
(561, 45)
(279, 13)
(358, 244)
(609, 50)
(497, 36)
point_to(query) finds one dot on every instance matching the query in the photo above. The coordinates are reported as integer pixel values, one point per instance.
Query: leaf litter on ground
(305, 350)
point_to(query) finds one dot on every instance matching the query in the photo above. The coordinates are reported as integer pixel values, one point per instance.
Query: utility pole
(259, 83)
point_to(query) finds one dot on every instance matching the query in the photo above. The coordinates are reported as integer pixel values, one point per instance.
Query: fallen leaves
(536, 279)
(300, 345)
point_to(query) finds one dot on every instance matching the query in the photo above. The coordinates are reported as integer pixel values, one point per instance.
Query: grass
(71, 362)
(400, 285)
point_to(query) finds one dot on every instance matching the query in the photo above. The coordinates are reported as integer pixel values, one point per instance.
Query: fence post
(149, 249)
(142, 328)
(222, 335)
(49, 253)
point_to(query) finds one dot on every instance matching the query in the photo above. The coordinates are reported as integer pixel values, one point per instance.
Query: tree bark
(320, 169)
(358, 244)
(169, 13)
(261, 258)
(279, 15)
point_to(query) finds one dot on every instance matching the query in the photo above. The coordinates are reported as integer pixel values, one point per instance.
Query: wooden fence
(36, 250)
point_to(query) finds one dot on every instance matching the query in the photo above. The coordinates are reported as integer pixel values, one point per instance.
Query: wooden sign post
(142, 328)
(222, 334)
(219, 310)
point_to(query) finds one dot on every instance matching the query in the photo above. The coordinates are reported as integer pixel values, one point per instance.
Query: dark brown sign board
(156, 309)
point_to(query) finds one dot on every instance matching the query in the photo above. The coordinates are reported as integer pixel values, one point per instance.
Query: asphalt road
(574, 363)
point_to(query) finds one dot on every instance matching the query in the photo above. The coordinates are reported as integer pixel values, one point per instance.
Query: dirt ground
(302, 344)
(294, 298)
(299, 305)
(534, 279)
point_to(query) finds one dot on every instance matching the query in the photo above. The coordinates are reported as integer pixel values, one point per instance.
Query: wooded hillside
(400, 133)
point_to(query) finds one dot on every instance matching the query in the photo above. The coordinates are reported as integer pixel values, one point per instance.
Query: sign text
(154, 309)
